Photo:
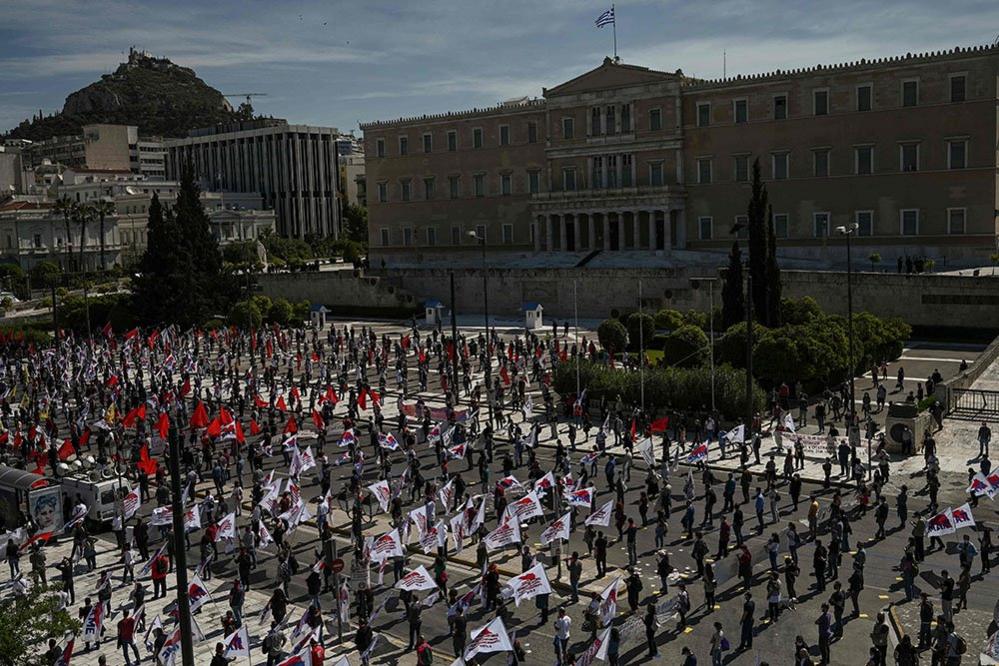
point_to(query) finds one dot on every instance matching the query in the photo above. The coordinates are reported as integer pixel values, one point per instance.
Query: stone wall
(342, 291)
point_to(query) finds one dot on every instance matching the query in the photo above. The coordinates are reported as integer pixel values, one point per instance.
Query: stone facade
(629, 158)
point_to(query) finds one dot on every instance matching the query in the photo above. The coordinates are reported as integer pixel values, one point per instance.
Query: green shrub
(669, 319)
(686, 347)
(613, 336)
(641, 328)
(300, 312)
(280, 312)
(45, 274)
(245, 315)
(677, 388)
(800, 311)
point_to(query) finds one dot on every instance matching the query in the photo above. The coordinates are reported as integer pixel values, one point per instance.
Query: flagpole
(614, 14)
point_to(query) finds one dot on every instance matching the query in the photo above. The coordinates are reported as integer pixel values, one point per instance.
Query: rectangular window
(534, 181)
(820, 102)
(957, 154)
(477, 137)
(655, 120)
(568, 128)
(864, 97)
(612, 171)
(741, 111)
(506, 184)
(626, 117)
(403, 145)
(428, 188)
(864, 160)
(780, 166)
(704, 114)
(508, 234)
(958, 85)
(452, 141)
(455, 235)
(480, 232)
(385, 237)
(820, 224)
(956, 220)
(908, 157)
(704, 171)
(909, 221)
(741, 226)
(610, 122)
(405, 190)
(569, 179)
(865, 222)
(656, 174)
(910, 92)
(382, 192)
(38, 240)
(431, 236)
(597, 173)
(407, 236)
(532, 132)
(626, 164)
(380, 147)
(454, 186)
(704, 228)
(780, 107)
(595, 121)
(742, 168)
(479, 184)
(428, 143)
(780, 225)
(820, 160)
(504, 135)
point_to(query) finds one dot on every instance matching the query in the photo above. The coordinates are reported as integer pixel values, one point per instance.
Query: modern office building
(102, 147)
(626, 158)
(293, 167)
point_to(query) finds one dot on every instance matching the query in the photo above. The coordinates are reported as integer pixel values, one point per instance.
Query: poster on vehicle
(45, 508)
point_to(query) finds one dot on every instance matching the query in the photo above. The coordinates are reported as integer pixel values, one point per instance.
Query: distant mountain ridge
(160, 97)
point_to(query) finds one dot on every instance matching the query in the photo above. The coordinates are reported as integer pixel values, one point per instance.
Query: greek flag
(606, 18)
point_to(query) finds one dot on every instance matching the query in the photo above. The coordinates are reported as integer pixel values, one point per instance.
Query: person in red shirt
(126, 638)
(159, 573)
(318, 653)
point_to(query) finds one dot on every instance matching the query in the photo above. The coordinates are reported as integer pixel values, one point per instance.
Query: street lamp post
(485, 316)
(695, 282)
(848, 231)
(749, 359)
(180, 552)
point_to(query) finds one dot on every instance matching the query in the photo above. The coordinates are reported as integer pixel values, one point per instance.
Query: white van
(97, 492)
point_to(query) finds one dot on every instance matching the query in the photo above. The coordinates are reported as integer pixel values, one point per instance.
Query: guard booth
(532, 315)
(434, 312)
(317, 315)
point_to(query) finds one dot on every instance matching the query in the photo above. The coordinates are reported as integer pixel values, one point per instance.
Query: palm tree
(84, 215)
(103, 208)
(67, 208)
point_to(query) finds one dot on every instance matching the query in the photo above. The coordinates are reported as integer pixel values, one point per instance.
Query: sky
(339, 63)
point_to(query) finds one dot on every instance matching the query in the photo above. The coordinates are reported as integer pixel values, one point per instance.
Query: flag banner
(940, 524)
(698, 454)
(647, 451)
(788, 422)
(508, 482)
(490, 638)
(388, 441)
(558, 530)
(418, 517)
(302, 658)
(526, 507)
(93, 623)
(597, 649)
(415, 580)
(197, 593)
(504, 535)
(529, 584)
(446, 495)
(347, 438)
(434, 538)
(737, 434)
(386, 546)
(582, 497)
(382, 493)
(458, 533)
(131, 503)
(601, 516)
(544, 484)
(237, 644)
(608, 602)
(979, 485)
(227, 527)
(962, 516)
(993, 480)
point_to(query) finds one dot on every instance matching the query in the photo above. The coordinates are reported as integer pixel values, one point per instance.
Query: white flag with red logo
(490, 638)
(417, 579)
(601, 516)
(979, 485)
(131, 503)
(608, 602)
(529, 584)
(386, 546)
(582, 497)
(940, 524)
(418, 517)
(446, 495)
(382, 493)
(962, 516)
(508, 532)
(558, 530)
(544, 484)
(526, 507)
(227, 527)
(434, 538)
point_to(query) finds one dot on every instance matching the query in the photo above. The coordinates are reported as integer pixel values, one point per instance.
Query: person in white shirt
(562, 626)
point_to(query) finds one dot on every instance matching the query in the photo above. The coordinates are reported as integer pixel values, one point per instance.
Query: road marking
(932, 359)
(883, 596)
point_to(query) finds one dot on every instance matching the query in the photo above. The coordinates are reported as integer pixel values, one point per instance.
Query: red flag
(39, 536)
(331, 396)
(225, 416)
(153, 337)
(107, 330)
(260, 402)
(214, 428)
(362, 400)
(405, 342)
(240, 437)
(131, 334)
(185, 388)
(291, 427)
(505, 375)
(317, 418)
(295, 393)
(112, 381)
(146, 464)
(280, 404)
(66, 449)
(634, 429)
(84, 437)
(163, 425)
(450, 350)
(254, 428)
(660, 425)
(133, 414)
(200, 417)
(375, 398)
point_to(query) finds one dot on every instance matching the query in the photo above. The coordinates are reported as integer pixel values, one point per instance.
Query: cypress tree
(756, 214)
(773, 274)
(733, 302)
(160, 289)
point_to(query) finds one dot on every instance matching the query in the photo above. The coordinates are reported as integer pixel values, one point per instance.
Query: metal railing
(974, 403)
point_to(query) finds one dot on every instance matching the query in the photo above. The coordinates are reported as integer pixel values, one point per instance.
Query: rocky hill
(160, 97)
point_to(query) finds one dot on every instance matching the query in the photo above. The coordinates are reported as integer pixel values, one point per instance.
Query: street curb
(896, 625)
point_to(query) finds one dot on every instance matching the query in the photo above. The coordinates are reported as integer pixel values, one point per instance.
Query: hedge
(684, 389)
